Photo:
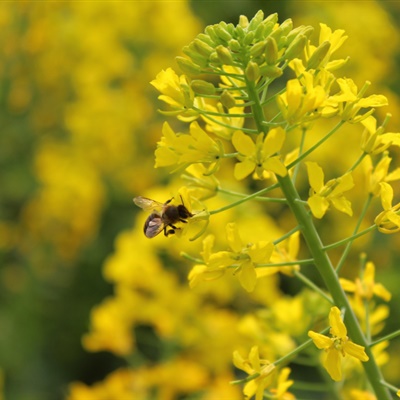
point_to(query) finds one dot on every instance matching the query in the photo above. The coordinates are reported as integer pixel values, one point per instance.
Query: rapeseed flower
(322, 195)
(255, 365)
(388, 221)
(177, 93)
(183, 150)
(337, 346)
(349, 101)
(303, 98)
(242, 257)
(259, 157)
(366, 287)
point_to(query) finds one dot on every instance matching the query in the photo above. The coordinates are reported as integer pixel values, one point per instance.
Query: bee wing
(153, 226)
(147, 204)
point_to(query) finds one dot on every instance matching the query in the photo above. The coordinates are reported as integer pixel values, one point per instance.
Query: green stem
(391, 336)
(312, 286)
(318, 252)
(258, 198)
(316, 145)
(353, 236)
(350, 238)
(247, 198)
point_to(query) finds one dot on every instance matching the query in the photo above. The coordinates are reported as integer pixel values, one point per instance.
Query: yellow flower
(176, 92)
(336, 39)
(283, 384)
(183, 149)
(222, 125)
(379, 173)
(302, 98)
(349, 101)
(322, 195)
(374, 140)
(260, 156)
(242, 257)
(337, 346)
(388, 221)
(366, 288)
(254, 365)
(286, 251)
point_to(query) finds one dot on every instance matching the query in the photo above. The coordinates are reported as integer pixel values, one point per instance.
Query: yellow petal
(344, 184)
(243, 143)
(321, 341)
(355, 350)
(221, 259)
(232, 235)
(338, 328)
(247, 276)
(348, 286)
(315, 176)
(274, 141)
(342, 204)
(382, 292)
(275, 165)
(243, 169)
(386, 195)
(318, 205)
(333, 364)
(261, 252)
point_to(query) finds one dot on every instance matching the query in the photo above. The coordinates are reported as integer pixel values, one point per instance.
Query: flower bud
(252, 71)
(318, 56)
(203, 48)
(258, 49)
(188, 66)
(224, 55)
(270, 71)
(222, 33)
(295, 48)
(243, 21)
(271, 50)
(248, 39)
(202, 87)
(234, 45)
(227, 100)
(256, 21)
(286, 26)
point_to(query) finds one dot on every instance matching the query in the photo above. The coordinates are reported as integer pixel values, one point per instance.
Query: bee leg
(170, 231)
(183, 220)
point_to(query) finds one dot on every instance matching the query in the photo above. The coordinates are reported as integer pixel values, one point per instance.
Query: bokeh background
(78, 128)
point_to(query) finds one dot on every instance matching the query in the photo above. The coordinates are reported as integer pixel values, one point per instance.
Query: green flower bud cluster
(259, 47)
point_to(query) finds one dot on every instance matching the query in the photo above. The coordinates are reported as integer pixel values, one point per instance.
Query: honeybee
(163, 216)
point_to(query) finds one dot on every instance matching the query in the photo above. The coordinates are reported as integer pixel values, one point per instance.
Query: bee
(163, 216)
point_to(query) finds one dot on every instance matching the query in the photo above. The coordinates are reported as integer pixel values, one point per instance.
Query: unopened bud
(187, 66)
(224, 55)
(271, 71)
(234, 45)
(295, 49)
(258, 49)
(222, 33)
(202, 87)
(252, 71)
(256, 21)
(248, 39)
(318, 56)
(243, 21)
(271, 50)
(227, 100)
(203, 48)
